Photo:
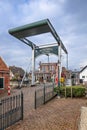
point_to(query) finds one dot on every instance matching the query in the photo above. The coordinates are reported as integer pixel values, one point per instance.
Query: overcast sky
(69, 18)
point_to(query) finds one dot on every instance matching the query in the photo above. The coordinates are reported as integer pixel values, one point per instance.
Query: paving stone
(83, 119)
(57, 114)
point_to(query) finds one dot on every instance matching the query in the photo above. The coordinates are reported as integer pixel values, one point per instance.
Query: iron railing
(44, 94)
(11, 110)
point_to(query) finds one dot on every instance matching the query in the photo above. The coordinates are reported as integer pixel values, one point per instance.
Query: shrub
(77, 91)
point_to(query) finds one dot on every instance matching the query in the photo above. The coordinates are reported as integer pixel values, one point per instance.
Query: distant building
(66, 73)
(83, 75)
(16, 72)
(49, 70)
(11, 75)
(45, 72)
(4, 75)
(75, 77)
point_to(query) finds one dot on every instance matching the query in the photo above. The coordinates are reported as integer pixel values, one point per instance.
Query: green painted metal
(30, 29)
(46, 51)
(36, 28)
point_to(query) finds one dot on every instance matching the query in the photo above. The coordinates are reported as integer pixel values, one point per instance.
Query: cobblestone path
(57, 114)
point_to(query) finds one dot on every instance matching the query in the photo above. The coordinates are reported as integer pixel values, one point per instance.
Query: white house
(11, 75)
(83, 74)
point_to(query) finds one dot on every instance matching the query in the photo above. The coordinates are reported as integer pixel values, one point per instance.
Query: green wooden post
(53, 89)
(35, 101)
(65, 92)
(71, 92)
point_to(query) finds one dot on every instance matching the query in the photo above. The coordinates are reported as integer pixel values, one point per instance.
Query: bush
(77, 91)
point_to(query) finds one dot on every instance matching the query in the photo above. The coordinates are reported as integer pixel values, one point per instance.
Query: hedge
(77, 91)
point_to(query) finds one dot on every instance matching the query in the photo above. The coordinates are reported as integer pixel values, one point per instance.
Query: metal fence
(11, 110)
(44, 94)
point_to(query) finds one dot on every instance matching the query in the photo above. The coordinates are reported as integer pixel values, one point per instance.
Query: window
(83, 77)
(50, 67)
(43, 68)
(1, 83)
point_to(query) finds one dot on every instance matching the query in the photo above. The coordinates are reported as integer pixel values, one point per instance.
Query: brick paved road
(58, 114)
(29, 95)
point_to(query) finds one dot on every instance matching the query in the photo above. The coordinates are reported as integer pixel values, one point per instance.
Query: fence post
(53, 88)
(44, 93)
(65, 92)
(71, 92)
(35, 100)
(22, 107)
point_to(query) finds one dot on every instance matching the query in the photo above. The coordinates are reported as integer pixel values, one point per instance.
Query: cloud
(41, 9)
(70, 24)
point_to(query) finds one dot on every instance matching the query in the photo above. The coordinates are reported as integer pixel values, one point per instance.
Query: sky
(68, 17)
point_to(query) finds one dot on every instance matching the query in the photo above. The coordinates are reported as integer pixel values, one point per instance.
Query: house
(66, 73)
(83, 75)
(4, 75)
(16, 72)
(75, 77)
(45, 72)
(48, 71)
(11, 75)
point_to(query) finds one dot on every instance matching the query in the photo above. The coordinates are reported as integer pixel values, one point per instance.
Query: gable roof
(16, 70)
(83, 69)
(3, 66)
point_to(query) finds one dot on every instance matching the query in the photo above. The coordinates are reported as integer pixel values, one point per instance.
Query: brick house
(47, 70)
(4, 76)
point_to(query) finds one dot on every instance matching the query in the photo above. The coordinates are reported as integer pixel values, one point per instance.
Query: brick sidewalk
(58, 114)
